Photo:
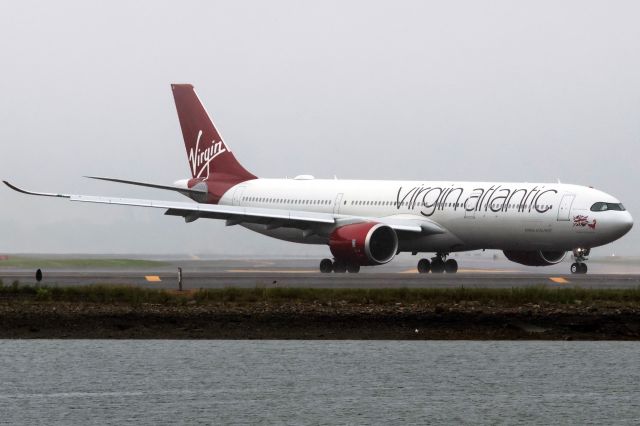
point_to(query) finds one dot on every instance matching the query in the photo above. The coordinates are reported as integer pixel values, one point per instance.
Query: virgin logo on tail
(201, 159)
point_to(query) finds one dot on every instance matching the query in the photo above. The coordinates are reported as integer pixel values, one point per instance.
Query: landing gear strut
(580, 255)
(438, 265)
(338, 266)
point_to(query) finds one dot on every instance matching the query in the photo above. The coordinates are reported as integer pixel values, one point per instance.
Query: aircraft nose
(625, 223)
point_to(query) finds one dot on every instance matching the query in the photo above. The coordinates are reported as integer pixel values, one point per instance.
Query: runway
(302, 273)
(317, 280)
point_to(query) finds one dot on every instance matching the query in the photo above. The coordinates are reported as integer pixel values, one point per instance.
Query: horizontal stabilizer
(184, 191)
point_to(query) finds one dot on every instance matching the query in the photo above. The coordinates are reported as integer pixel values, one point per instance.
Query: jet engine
(536, 257)
(366, 243)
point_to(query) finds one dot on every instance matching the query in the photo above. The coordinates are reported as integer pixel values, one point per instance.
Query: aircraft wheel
(451, 266)
(326, 266)
(353, 268)
(579, 268)
(437, 266)
(424, 266)
(339, 267)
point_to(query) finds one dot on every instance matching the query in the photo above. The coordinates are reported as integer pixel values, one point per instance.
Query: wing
(191, 211)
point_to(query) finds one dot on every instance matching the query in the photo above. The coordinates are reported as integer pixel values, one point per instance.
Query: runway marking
(152, 278)
(263, 264)
(559, 280)
(273, 271)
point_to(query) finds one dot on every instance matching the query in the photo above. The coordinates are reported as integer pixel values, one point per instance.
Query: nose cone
(624, 223)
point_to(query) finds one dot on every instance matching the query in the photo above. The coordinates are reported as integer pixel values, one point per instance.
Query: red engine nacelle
(536, 257)
(365, 243)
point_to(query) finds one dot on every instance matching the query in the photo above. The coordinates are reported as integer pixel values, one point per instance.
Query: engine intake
(367, 243)
(535, 257)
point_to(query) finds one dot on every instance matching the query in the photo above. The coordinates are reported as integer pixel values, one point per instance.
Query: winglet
(43, 194)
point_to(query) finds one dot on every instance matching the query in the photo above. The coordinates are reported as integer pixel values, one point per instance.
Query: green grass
(61, 263)
(92, 294)
(137, 295)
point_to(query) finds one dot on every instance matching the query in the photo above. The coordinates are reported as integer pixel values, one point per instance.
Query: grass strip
(137, 295)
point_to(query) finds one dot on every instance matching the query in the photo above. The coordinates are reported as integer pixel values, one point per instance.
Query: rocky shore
(20, 318)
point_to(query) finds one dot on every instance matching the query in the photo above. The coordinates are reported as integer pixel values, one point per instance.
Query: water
(318, 382)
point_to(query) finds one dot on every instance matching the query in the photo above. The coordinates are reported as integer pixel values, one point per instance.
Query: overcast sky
(443, 90)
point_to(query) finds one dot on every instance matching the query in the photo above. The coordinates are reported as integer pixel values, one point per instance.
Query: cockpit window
(601, 207)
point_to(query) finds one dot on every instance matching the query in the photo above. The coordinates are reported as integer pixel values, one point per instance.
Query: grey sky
(456, 90)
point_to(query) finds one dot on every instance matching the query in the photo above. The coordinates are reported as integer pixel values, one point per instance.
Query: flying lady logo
(201, 159)
(583, 221)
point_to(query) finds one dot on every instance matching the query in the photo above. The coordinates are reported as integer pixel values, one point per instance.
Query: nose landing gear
(578, 268)
(580, 255)
(438, 265)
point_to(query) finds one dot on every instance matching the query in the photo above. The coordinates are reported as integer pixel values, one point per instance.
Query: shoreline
(127, 312)
(301, 321)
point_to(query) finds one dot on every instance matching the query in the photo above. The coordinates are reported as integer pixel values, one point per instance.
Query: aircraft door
(336, 206)
(469, 214)
(564, 209)
(237, 195)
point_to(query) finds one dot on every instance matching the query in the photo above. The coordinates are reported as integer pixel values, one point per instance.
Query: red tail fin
(209, 158)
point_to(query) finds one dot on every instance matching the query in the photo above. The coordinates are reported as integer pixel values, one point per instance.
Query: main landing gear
(338, 266)
(580, 255)
(438, 265)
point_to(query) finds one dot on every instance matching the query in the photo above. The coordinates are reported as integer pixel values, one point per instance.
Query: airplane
(369, 222)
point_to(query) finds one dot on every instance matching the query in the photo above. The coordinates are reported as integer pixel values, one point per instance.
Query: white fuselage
(476, 215)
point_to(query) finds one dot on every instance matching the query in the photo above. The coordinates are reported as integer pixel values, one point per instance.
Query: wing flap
(405, 223)
(214, 211)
